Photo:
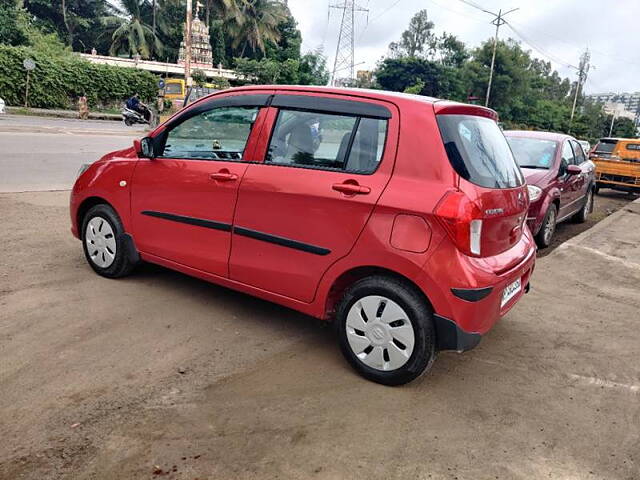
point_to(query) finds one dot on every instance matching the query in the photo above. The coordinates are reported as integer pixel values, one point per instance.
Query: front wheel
(548, 228)
(386, 330)
(104, 243)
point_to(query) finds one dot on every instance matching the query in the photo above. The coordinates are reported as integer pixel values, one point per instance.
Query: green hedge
(58, 81)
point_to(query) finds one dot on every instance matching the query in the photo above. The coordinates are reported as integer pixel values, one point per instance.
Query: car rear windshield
(606, 146)
(533, 152)
(479, 152)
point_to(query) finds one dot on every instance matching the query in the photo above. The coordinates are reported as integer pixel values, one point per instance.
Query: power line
(539, 49)
(380, 15)
(475, 5)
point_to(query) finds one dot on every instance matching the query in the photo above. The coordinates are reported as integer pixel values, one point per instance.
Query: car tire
(105, 244)
(548, 227)
(587, 208)
(386, 330)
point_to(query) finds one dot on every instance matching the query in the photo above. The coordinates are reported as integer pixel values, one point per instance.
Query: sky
(558, 31)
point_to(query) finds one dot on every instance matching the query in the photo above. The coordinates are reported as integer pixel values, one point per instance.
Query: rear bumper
(470, 291)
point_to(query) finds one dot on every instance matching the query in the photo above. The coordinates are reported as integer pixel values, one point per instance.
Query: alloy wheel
(380, 333)
(550, 226)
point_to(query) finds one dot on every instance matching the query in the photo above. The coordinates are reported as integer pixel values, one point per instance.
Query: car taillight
(462, 219)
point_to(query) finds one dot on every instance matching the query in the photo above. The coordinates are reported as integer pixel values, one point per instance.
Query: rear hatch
(486, 214)
(605, 147)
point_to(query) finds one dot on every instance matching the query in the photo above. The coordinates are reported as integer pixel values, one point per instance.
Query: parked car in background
(617, 162)
(412, 240)
(1, 106)
(586, 146)
(560, 179)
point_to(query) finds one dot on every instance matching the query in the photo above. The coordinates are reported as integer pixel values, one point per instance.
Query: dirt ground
(163, 376)
(605, 203)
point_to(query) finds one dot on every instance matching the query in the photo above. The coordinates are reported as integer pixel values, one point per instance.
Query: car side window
(327, 141)
(216, 134)
(579, 152)
(567, 158)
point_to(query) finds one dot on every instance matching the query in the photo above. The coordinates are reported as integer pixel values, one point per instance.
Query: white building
(630, 102)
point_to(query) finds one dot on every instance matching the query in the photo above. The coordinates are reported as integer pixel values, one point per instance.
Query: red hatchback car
(560, 178)
(399, 217)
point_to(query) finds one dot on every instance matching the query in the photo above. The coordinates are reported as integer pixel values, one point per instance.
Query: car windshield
(172, 88)
(606, 146)
(478, 151)
(533, 152)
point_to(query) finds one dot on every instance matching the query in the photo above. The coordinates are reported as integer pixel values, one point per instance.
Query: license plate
(510, 292)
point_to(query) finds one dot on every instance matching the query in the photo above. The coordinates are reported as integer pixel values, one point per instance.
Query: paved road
(45, 153)
(114, 379)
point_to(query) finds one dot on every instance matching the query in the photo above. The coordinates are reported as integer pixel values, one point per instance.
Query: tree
(257, 24)
(415, 40)
(290, 40)
(434, 79)
(77, 22)
(218, 42)
(12, 24)
(199, 77)
(313, 69)
(134, 36)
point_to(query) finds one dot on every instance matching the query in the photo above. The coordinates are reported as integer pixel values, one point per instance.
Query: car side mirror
(144, 147)
(573, 170)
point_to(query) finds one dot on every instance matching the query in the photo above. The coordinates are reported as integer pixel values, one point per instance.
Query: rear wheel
(548, 228)
(386, 330)
(104, 242)
(586, 209)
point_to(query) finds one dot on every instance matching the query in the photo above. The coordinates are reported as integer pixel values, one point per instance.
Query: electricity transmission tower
(583, 71)
(345, 57)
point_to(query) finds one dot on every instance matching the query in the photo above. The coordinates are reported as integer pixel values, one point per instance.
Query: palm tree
(258, 23)
(133, 35)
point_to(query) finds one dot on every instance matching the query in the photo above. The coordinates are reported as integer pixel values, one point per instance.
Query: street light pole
(187, 46)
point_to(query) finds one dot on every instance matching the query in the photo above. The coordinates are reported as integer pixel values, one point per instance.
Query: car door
(183, 199)
(327, 161)
(586, 168)
(568, 184)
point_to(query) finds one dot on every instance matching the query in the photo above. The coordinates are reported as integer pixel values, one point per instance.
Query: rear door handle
(351, 188)
(223, 176)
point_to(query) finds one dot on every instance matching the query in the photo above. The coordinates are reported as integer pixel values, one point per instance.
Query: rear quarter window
(479, 152)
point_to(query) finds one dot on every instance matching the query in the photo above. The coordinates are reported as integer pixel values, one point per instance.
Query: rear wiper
(534, 166)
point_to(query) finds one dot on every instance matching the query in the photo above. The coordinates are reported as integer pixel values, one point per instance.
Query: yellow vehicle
(617, 164)
(175, 89)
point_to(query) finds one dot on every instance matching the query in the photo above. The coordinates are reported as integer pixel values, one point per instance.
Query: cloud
(558, 31)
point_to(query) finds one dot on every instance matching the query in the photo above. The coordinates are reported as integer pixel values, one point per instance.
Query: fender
(108, 178)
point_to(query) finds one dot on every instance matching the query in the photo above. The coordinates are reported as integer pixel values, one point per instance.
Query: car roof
(558, 137)
(393, 97)
(618, 139)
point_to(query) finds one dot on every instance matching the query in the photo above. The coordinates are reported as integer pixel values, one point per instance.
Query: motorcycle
(131, 117)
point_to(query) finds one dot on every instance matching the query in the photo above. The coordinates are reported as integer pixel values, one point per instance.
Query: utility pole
(498, 22)
(345, 49)
(613, 114)
(187, 45)
(583, 70)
